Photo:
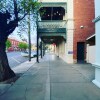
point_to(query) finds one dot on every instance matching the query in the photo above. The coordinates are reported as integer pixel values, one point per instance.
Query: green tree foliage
(23, 46)
(8, 44)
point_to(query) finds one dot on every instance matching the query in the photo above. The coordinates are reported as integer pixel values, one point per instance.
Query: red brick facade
(83, 16)
(14, 45)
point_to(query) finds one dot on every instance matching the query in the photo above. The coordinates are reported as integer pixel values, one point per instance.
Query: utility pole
(29, 37)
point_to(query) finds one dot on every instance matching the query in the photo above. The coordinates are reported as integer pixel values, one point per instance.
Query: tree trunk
(5, 70)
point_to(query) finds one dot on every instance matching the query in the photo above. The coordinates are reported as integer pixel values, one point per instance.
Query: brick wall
(83, 16)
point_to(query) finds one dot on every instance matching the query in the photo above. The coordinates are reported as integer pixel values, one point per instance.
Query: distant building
(84, 13)
(33, 47)
(14, 45)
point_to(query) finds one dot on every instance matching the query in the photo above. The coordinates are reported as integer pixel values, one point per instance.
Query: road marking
(15, 60)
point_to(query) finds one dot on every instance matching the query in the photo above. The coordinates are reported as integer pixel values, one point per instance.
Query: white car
(26, 54)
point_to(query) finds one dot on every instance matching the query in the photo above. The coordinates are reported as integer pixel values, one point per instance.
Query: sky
(15, 35)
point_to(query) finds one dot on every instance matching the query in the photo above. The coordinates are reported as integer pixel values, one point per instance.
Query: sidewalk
(20, 69)
(53, 79)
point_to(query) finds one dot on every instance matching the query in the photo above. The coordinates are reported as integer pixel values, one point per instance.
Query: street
(15, 59)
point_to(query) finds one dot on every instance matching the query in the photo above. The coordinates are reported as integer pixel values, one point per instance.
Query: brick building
(83, 27)
(14, 45)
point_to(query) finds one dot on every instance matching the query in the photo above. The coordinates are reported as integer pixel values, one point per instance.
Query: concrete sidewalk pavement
(53, 79)
(20, 69)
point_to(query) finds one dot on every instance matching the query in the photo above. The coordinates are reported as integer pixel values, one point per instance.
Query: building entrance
(80, 51)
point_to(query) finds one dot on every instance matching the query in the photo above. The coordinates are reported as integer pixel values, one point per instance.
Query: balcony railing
(52, 24)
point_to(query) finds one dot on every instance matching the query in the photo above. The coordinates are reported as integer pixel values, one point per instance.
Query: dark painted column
(41, 50)
(37, 59)
(37, 48)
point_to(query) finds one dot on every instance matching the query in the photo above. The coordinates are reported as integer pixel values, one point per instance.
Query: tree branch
(23, 16)
(11, 26)
(15, 9)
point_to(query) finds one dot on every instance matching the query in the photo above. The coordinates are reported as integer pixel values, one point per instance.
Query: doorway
(80, 51)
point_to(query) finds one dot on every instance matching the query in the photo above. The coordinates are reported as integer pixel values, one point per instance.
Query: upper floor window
(52, 13)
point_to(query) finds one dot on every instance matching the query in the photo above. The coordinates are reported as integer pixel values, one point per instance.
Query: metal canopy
(52, 39)
(52, 30)
(57, 32)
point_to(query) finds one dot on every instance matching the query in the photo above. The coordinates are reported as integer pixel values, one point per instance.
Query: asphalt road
(15, 59)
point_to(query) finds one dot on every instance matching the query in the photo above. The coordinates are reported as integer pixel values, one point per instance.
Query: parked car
(26, 54)
(34, 53)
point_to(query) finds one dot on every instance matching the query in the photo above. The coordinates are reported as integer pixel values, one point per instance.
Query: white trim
(97, 74)
(96, 65)
(96, 83)
(90, 37)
